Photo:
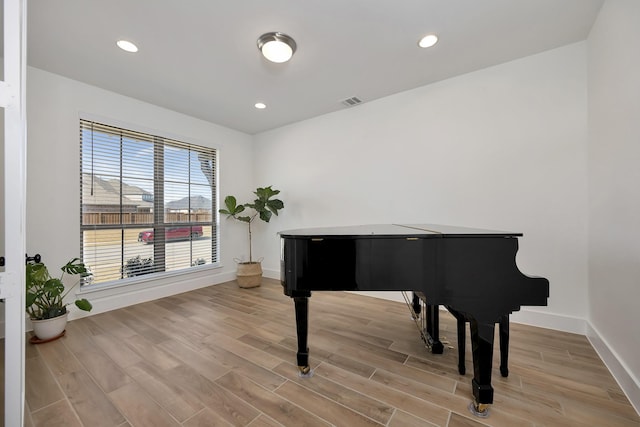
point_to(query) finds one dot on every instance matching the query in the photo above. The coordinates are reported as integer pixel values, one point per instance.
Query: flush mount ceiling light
(127, 46)
(260, 105)
(276, 47)
(428, 40)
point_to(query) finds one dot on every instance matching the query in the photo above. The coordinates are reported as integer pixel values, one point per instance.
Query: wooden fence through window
(111, 218)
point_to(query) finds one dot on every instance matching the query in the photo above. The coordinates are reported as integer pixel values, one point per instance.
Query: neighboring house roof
(97, 191)
(193, 203)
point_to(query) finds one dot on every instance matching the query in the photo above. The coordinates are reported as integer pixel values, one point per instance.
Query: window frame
(159, 213)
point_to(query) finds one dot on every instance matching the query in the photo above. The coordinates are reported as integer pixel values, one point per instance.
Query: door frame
(12, 280)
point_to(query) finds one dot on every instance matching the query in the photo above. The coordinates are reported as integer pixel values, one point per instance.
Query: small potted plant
(249, 273)
(137, 266)
(45, 295)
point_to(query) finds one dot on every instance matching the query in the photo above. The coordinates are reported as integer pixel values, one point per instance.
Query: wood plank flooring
(224, 356)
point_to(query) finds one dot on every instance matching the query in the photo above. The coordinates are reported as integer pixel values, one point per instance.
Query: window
(147, 203)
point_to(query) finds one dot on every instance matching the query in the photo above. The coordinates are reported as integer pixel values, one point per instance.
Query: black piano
(471, 271)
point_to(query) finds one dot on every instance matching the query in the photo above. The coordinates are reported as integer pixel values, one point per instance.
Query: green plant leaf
(230, 202)
(53, 287)
(259, 205)
(275, 205)
(37, 273)
(75, 266)
(30, 299)
(266, 192)
(83, 304)
(232, 207)
(265, 215)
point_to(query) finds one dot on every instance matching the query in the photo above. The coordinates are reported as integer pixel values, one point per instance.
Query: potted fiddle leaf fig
(45, 297)
(249, 273)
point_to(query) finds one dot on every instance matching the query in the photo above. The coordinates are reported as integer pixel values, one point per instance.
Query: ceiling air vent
(351, 102)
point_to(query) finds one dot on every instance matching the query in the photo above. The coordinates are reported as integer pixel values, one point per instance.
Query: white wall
(53, 211)
(501, 148)
(614, 197)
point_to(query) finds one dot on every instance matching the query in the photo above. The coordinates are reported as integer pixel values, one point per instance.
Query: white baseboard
(622, 374)
(542, 319)
(271, 274)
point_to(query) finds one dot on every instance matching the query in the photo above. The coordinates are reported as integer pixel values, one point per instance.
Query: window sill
(139, 283)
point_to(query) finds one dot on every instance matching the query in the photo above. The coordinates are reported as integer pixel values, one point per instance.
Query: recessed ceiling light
(260, 105)
(127, 46)
(428, 40)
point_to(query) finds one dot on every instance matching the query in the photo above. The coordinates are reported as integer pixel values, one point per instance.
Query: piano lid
(455, 231)
(395, 230)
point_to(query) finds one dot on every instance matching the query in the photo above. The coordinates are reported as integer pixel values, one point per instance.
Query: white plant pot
(49, 328)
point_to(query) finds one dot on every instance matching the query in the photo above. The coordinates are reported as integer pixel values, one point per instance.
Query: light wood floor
(224, 356)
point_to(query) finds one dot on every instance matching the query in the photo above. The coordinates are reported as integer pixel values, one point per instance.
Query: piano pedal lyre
(420, 321)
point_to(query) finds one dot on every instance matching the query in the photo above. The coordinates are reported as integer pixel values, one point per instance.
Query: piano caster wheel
(479, 409)
(305, 372)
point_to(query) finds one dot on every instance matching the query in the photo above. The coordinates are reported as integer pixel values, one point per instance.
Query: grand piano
(471, 271)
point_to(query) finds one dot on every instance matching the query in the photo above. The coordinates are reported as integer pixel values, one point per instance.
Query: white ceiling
(199, 57)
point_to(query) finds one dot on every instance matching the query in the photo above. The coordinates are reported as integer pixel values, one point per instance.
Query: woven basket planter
(249, 274)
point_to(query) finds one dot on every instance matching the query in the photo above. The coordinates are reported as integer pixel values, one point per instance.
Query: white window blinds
(147, 203)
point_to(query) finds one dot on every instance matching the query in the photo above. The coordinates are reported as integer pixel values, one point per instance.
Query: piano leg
(461, 326)
(433, 328)
(504, 345)
(482, 349)
(302, 326)
(504, 341)
(415, 303)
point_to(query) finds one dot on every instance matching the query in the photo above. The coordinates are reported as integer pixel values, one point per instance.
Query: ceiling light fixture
(127, 46)
(428, 41)
(260, 105)
(277, 47)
